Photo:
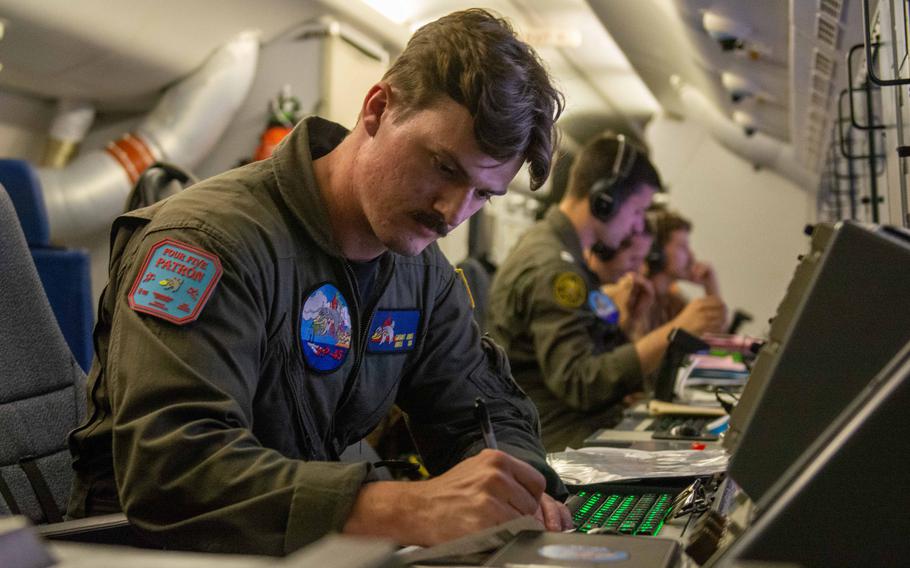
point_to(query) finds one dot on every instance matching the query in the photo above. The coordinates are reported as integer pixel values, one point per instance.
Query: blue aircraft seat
(65, 273)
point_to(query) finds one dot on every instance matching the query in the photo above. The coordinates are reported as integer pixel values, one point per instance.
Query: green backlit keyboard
(642, 514)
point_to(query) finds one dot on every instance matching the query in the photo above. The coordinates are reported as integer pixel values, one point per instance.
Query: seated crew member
(612, 264)
(261, 321)
(618, 271)
(670, 261)
(546, 308)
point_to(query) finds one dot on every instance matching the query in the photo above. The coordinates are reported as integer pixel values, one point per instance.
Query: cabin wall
(748, 223)
(24, 122)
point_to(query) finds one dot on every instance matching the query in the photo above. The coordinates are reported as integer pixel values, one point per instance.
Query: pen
(480, 412)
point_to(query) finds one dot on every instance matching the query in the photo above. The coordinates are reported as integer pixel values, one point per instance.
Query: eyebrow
(464, 173)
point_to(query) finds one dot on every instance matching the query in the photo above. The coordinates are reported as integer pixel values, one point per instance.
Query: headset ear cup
(656, 259)
(601, 204)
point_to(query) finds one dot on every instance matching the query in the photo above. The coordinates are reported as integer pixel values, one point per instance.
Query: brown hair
(475, 58)
(663, 222)
(596, 161)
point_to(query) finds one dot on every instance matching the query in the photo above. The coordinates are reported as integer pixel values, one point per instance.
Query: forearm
(389, 509)
(585, 380)
(651, 348)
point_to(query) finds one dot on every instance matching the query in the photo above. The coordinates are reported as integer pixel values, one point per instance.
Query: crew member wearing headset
(670, 261)
(547, 310)
(621, 275)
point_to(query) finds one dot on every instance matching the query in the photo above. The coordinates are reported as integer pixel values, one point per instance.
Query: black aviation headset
(657, 259)
(603, 203)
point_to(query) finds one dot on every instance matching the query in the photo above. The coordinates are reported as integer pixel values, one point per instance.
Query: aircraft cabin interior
(248, 319)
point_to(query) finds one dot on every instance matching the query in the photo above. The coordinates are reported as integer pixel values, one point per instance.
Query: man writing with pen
(219, 426)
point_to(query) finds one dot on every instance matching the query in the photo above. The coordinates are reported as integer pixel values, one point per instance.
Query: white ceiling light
(398, 11)
(738, 86)
(726, 31)
(744, 119)
(553, 37)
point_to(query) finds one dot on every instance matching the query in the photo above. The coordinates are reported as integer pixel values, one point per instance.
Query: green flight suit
(217, 425)
(574, 365)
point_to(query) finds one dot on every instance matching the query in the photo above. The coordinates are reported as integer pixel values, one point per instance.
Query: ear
(375, 107)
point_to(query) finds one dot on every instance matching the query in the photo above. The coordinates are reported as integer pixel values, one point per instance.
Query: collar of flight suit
(565, 230)
(292, 165)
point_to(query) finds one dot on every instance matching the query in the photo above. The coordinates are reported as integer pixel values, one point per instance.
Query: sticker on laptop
(175, 282)
(325, 329)
(582, 553)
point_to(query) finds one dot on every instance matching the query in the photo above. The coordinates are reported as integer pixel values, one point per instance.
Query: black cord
(726, 404)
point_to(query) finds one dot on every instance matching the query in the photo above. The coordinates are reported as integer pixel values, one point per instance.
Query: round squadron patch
(603, 307)
(325, 329)
(569, 290)
(175, 281)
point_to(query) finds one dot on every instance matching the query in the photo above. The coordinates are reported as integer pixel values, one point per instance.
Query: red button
(698, 446)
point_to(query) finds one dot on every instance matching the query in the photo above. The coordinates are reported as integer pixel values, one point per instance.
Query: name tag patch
(603, 307)
(175, 281)
(325, 329)
(393, 331)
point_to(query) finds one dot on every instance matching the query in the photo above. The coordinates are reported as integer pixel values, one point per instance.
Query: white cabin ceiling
(614, 59)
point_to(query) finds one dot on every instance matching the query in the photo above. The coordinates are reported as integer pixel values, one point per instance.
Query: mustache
(433, 221)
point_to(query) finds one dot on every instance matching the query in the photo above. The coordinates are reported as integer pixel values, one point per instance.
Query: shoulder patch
(569, 290)
(175, 282)
(603, 307)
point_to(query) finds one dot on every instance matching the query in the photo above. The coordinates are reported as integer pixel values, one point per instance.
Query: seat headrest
(21, 182)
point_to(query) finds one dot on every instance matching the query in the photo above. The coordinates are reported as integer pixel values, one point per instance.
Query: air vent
(823, 64)
(820, 84)
(827, 31)
(831, 8)
(819, 99)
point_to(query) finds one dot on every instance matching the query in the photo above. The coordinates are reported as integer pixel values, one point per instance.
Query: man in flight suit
(260, 322)
(559, 329)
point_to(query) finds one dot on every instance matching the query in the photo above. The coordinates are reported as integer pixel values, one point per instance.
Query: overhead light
(726, 31)
(398, 11)
(738, 86)
(746, 120)
(553, 37)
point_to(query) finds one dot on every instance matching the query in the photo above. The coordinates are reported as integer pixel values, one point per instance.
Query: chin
(406, 247)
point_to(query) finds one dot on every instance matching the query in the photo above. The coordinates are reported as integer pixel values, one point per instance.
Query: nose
(454, 204)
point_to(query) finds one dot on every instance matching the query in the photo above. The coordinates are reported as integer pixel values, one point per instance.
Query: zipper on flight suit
(363, 326)
(298, 411)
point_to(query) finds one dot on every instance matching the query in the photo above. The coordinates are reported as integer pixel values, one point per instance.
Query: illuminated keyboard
(642, 514)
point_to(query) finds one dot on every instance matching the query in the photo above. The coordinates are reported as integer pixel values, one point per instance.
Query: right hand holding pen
(482, 491)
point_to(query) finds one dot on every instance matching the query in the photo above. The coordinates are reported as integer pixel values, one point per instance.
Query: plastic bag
(602, 465)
